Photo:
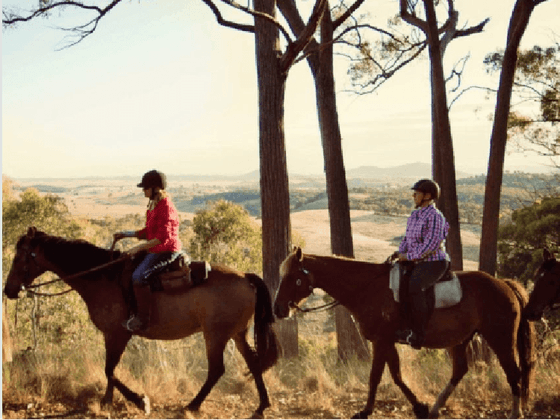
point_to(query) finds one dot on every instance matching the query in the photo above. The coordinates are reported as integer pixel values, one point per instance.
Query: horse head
(28, 263)
(296, 284)
(547, 287)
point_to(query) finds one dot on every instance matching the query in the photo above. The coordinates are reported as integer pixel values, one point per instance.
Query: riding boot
(422, 312)
(140, 320)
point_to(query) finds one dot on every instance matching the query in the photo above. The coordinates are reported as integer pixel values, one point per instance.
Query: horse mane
(292, 259)
(74, 255)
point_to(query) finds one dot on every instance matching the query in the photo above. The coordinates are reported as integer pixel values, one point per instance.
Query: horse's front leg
(421, 410)
(115, 343)
(460, 368)
(377, 367)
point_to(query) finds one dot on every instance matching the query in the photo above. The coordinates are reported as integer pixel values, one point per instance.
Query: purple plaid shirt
(426, 231)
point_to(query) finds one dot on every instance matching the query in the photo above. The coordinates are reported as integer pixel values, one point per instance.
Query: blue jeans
(152, 264)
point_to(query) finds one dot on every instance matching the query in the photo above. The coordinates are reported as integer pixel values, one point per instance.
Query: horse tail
(526, 343)
(266, 343)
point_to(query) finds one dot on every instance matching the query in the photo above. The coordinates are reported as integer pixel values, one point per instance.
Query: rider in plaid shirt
(424, 244)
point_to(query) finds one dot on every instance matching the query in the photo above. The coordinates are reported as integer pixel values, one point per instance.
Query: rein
(329, 305)
(64, 279)
(324, 307)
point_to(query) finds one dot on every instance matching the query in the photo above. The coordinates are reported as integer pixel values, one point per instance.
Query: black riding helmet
(427, 186)
(153, 179)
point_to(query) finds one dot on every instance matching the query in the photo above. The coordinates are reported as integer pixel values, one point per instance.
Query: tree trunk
(275, 200)
(350, 341)
(443, 157)
(491, 214)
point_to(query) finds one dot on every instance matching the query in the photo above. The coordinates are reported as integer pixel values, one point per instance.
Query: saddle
(178, 275)
(447, 290)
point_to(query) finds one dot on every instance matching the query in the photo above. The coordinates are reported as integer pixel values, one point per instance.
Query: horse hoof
(193, 407)
(422, 411)
(146, 403)
(360, 415)
(257, 415)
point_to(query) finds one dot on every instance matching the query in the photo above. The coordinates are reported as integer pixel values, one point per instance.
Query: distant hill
(416, 170)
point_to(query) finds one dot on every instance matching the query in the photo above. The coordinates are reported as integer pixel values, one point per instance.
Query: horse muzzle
(281, 311)
(12, 291)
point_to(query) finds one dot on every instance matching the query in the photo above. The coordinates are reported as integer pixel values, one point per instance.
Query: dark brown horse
(489, 306)
(547, 287)
(221, 308)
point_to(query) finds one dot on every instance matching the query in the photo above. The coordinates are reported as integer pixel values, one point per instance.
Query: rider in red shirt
(162, 243)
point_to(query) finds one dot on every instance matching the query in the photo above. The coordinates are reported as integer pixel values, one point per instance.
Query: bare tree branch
(254, 13)
(227, 23)
(342, 18)
(82, 31)
(305, 37)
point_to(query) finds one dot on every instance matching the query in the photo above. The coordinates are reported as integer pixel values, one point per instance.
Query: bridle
(324, 307)
(30, 255)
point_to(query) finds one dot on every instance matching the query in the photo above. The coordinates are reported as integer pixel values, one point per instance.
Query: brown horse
(489, 306)
(547, 287)
(221, 308)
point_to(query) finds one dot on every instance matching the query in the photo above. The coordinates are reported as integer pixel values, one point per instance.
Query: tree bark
(350, 341)
(275, 199)
(491, 213)
(320, 60)
(442, 142)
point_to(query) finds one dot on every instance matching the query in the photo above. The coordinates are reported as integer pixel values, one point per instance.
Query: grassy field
(52, 383)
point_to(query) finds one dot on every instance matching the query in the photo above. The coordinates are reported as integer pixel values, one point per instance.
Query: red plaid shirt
(426, 231)
(163, 223)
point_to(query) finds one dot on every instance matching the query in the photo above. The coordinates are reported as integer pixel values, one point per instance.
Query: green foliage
(225, 233)
(537, 80)
(522, 240)
(39, 322)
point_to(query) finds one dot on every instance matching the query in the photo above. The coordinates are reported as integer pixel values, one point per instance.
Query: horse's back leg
(503, 341)
(393, 360)
(252, 361)
(115, 344)
(215, 346)
(460, 368)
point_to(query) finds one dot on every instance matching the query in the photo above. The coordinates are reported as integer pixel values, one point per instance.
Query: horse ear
(31, 232)
(299, 254)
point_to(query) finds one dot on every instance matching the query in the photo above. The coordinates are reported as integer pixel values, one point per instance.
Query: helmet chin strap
(429, 200)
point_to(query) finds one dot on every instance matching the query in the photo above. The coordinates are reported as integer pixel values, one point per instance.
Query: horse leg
(504, 347)
(114, 347)
(377, 367)
(460, 368)
(253, 363)
(215, 347)
(393, 360)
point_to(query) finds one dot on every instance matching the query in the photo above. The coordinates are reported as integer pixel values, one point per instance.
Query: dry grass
(314, 385)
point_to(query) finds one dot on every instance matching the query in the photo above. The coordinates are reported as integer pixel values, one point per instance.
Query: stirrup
(411, 338)
(135, 324)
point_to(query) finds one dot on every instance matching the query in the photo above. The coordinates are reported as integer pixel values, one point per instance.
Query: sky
(161, 85)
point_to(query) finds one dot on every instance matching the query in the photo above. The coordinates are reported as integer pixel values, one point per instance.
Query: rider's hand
(118, 236)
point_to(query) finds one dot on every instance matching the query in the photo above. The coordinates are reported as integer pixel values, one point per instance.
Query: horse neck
(346, 279)
(67, 258)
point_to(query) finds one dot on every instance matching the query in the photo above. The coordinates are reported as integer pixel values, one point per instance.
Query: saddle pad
(447, 293)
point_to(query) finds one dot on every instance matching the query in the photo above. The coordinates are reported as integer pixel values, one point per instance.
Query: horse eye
(33, 254)
(298, 282)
